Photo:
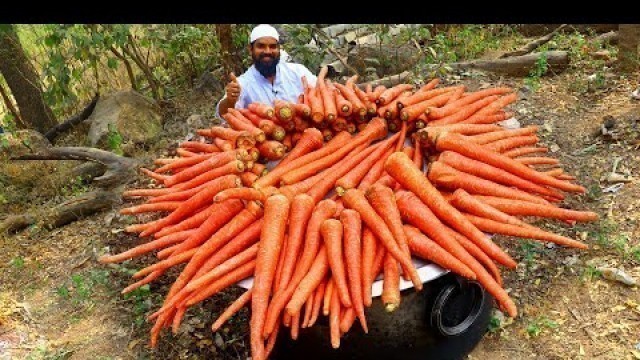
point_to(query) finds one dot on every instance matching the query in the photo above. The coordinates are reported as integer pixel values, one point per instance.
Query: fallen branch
(52, 133)
(79, 207)
(533, 44)
(16, 223)
(388, 81)
(518, 65)
(119, 169)
(610, 37)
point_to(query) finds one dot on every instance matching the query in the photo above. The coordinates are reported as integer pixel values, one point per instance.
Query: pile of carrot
(342, 208)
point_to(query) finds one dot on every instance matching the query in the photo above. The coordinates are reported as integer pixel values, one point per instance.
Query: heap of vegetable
(314, 250)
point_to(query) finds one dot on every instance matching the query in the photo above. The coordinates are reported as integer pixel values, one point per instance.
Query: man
(268, 78)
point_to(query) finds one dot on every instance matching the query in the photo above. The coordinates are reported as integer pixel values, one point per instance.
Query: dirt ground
(57, 302)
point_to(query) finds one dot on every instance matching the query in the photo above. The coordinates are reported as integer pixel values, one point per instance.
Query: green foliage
(76, 187)
(114, 140)
(42, 352)
(300, 35)
(537, 326)
(80, 289)
(530, 250)
(141, 299)
(540, 68)
(494, 324)
(589, 273)
(17, 262)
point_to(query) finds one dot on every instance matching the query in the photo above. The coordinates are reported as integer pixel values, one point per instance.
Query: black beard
(268, 68)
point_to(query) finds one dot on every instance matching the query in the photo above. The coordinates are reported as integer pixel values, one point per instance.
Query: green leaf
(112, 63)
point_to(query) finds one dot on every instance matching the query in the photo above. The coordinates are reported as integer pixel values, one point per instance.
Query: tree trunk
(223, 31)
(23, 82)
(628, 40)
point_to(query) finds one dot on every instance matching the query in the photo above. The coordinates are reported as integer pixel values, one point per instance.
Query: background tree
(24, 82)
(628, 41)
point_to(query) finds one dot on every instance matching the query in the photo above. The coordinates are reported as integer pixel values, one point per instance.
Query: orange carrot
(424, 95)
(276, 213)
(240, 273)
(334, 320)
(513, 153)
(347, 318)
(391, 93)
(146, 247)
(349, 94)
(453, 107)
(352, 224)
(390, 284)
(511, 143)
(200, 147)
(446, 176)
(271, 179)
(325, 209)
(318, 295)
(457, 94)
(477, 253)
(301, 208)
(238, 304)
(239, 122)
(284, 110)
(375, 94)
(411, 112)
(206, 165)
(497, 175)
(465, 112)
(402, 169)
(355, 199)
(465, 202)
(415, 212)
(524, 208)
(263, 110)
(332, 233)
(454, 142)
(302, 109)
(328, 293)
(191, 222)
(491, 108)
(492, 226)
(316, 273)
(538, 160)
(144, 208)
(375, 172)
(369, 244)
(427, 249)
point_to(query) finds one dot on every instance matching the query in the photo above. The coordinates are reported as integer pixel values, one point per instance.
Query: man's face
(265, 53)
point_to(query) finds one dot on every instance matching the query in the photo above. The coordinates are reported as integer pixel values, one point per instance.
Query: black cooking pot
(444, 321)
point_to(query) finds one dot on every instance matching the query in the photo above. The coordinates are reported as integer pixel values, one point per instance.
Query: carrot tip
(390, 307)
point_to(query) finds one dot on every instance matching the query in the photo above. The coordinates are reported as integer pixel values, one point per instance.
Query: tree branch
(127, 64)
(12, 109)
(533, 44)
(52, 133)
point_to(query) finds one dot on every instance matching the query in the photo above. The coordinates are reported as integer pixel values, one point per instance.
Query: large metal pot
(443, 321)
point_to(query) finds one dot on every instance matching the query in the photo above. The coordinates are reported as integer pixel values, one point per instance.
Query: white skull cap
(263, 30)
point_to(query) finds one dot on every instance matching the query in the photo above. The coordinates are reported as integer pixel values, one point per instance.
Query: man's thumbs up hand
(233, 88)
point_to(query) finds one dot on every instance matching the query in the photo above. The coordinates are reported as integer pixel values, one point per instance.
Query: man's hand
(233, 89)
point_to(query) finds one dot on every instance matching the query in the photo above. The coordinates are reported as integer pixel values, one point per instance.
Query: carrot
(416, 213)
(375, 172)
(223, 144)
(311, 140)
(328, 293)
(284, 110)
(276, 213)
(322, 211)
(352, 224)
(295, 325)
(368, 104)
(248, 178)
(524, 208)
(402, 169)
(146, 247)
(532, 232)
(375, 94)
(383, 201)
(451, 108)
(334, 320)
(239, 122)
(155, 176)
(246, 238)
(308, 308)
(243, 193)
(347, 318)
(318, 295)
(477, 253)
(454, 142)
(238, 304)
(146, 192)
(144, 208)
(376, 129)
(191, 222)
(491, 108)
(497, 175)
(424, 95)
(206, 165)
(538, 160)
(457, 94)
(390, 284)
(316, 273)
(357, 173)
(411, 112)
(232, 167)
(513, 153)
(369, 244)
(302, 109)
(343, 106)
(301, 208)
(328, 99)
(355, 199)
(391, 93)
(240, 273)
(463, 201)
(446, 176)
(201, 147)
(511, 143)
(332, 233)
(465, 112)
(240, 139)
(349, 94)
(227, 266)
(271, 179)
(263, 110)
(503, 134)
